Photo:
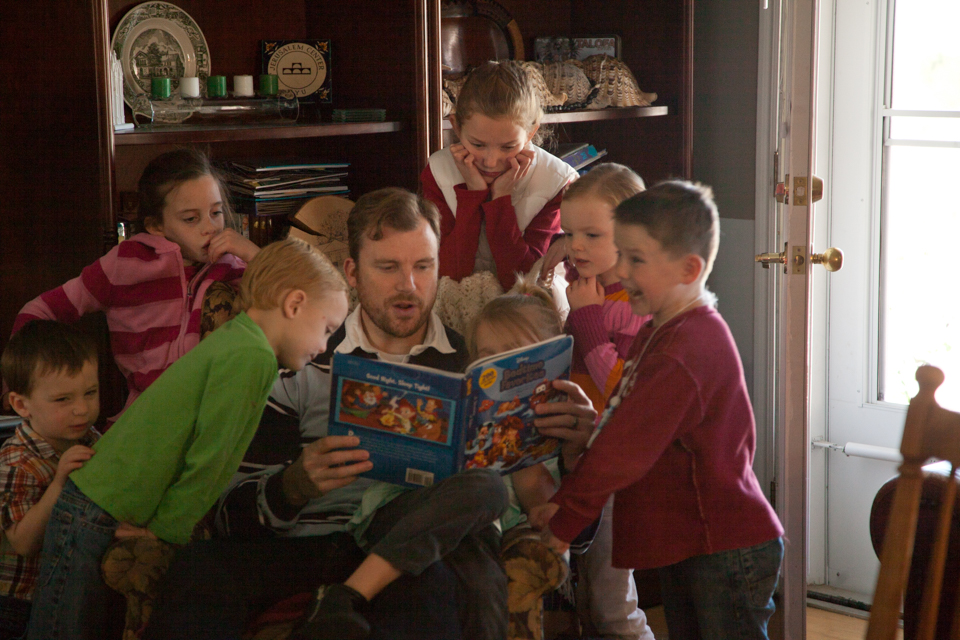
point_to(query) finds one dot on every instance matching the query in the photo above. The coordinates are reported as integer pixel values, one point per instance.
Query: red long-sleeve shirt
(677, 451)
(513, 251)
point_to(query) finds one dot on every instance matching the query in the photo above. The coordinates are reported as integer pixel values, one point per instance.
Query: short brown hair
(42, 347)
(391, 207)
(283, 266)
(498, 90)
(527, 308)
(611, 182)
(680, 215)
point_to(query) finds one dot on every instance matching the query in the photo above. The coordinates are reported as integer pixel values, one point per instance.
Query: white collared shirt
(435, 337)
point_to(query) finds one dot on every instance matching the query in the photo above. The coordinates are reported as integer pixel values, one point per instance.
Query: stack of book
(579, 155)
(265, 192)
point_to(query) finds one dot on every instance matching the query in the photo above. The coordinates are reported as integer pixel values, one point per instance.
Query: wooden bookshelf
(185, 134)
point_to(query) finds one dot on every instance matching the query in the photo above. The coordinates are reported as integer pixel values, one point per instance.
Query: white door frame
(786, 116)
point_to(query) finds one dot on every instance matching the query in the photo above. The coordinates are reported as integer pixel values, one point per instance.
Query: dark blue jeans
(14, 615)
(71, 597)
(722, 596)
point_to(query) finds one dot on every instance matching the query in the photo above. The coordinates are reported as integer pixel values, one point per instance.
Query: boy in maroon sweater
(677, 440)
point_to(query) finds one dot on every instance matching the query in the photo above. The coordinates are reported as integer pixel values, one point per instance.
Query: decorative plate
(159, 39)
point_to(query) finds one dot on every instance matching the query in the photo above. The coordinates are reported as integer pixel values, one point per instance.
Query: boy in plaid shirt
(51, 369)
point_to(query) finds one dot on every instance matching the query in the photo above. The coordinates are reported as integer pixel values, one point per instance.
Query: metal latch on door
(831, 259)
(800, 191)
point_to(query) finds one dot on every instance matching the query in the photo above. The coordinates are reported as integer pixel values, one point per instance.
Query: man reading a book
(284, 521)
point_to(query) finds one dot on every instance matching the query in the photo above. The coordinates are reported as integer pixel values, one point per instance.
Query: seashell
(548, 98)
(616, 84)
(450, 93)
(567, 77)
(446, 104)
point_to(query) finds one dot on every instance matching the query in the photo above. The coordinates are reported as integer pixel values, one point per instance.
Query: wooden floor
(821, 625)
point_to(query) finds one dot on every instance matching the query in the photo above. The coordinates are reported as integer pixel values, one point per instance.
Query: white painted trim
(765, 237)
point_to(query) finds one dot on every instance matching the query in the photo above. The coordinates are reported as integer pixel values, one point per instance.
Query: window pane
(920, 304)
(911, 128)
(926, 66)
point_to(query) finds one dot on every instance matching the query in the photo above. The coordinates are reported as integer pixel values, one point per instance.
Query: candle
(190, 87)
(243, 85)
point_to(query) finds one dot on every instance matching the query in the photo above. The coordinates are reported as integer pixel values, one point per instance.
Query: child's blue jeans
(722, 596)
(71, 594)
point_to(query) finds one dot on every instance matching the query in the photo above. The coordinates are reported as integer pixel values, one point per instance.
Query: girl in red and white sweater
(498, 194)
(151, 286)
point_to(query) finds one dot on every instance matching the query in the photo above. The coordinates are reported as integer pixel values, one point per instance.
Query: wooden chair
(929, 431)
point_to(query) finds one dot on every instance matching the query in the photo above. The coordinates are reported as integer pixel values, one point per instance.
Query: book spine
(469, 410)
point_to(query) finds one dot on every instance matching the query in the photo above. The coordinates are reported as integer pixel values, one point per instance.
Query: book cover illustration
(421, 425)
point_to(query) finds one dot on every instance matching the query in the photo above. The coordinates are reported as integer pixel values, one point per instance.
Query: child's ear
(532, 133)
(350, 272)
(153, 226)
(18, 405)
(293, 303)
(693, 266)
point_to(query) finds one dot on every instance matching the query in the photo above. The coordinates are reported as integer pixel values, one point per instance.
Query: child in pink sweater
(151, 286)
(603, 326)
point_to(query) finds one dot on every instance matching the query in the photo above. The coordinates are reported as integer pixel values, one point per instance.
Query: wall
(724, 143)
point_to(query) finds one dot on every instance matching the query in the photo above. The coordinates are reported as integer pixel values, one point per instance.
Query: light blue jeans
(722, 596)
(71, 596)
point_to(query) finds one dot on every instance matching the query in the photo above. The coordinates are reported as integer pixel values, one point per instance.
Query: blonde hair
(527, 309)
(611, 182)
(498, 90)
(283, 266)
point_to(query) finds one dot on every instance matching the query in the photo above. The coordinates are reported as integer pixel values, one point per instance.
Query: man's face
(396, 279)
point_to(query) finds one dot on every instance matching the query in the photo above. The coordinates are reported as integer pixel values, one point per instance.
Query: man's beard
(380, 315)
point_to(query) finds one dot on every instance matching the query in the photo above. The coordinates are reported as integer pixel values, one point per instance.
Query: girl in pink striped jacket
(151, 286)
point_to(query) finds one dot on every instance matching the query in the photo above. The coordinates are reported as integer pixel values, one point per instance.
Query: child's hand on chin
(585, 292)
(519, 165)
(229, 241)
(468, 168)
(127, 530)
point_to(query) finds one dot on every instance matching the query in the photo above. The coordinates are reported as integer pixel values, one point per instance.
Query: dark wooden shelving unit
(64, 168)
(185, 134)
(593, 116)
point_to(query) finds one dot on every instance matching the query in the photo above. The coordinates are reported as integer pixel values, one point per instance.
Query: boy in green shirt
(161, 467)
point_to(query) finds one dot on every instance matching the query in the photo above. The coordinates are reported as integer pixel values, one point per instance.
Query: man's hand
(229, 241)
(572, 421)
(325, 465)
(584, 292)
(71, 460)
(466, 163)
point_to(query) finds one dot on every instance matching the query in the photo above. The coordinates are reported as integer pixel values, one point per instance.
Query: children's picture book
(422, 425)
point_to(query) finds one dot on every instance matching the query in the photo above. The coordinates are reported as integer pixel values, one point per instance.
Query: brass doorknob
(831, 259)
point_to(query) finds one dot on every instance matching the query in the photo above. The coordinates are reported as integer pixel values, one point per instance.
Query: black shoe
(334, 616)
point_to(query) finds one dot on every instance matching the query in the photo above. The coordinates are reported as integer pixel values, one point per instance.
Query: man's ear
(693, 266)
(293, 303)
(18, 404)
(350, 272)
